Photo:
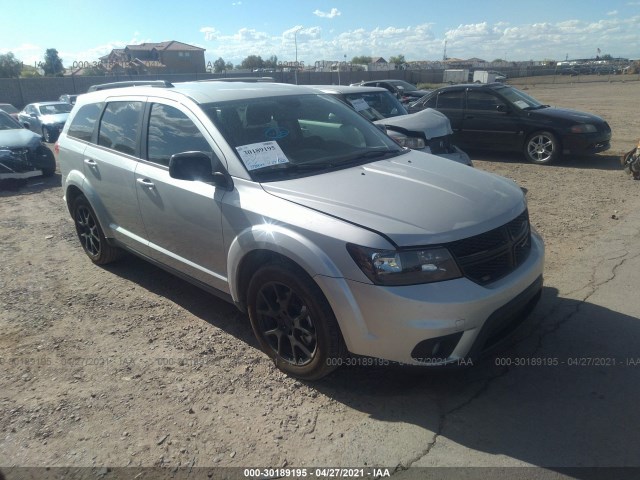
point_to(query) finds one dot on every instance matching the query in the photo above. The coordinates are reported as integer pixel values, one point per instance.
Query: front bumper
(393, 323)
(586, 143)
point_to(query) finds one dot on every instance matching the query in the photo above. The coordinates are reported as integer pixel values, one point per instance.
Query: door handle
(91, 163)
(145, 182)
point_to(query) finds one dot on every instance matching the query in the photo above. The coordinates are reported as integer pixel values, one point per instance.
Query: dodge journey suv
(285, 201)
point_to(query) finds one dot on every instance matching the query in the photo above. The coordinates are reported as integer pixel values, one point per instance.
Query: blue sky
(329, 30)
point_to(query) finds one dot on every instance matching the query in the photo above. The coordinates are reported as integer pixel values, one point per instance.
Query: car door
(109, 165)
(31, 119)
(182, 219)
(488, 122)
(451, 103)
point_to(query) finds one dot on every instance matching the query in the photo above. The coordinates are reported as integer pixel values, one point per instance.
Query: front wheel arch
(293, 321)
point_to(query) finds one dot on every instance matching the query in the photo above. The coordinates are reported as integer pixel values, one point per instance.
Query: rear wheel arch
(71, 194)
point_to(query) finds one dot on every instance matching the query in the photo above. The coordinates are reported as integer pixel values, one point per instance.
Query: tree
(219, 65)
(272, 62)
(362, 60)
(10, 66)
(252, 62)
(229, 66)
(52, 63)
(398, 60)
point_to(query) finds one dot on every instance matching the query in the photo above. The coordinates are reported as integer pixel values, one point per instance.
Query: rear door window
(120, 126)
(452, 100)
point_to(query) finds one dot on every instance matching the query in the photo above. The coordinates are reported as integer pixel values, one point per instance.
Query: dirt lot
(127, 365)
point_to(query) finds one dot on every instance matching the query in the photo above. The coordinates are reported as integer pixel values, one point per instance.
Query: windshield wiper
(368, 155)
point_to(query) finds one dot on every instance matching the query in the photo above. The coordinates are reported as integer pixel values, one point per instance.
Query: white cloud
(613, 35)
(333, 13)
(612, 13)
(210, 33)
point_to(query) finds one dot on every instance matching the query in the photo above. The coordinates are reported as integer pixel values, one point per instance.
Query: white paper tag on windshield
(521, 104)
(359, 104)
(261, 155)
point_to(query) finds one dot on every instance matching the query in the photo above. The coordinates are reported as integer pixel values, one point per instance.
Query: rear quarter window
(84, 122)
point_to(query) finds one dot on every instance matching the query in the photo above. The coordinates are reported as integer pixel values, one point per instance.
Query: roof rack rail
(130, 83)
(239, 79)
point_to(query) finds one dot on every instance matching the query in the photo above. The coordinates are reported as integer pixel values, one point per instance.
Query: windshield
(55, 108)
(8, 123)
(406, 86)
(280, 137)
(376, 105)
(519, 99)
(7, 107)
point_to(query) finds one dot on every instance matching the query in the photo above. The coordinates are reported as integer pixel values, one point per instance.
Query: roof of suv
(344, 89)
(205, 92)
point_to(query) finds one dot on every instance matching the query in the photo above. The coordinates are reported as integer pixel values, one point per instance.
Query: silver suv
(287, 202)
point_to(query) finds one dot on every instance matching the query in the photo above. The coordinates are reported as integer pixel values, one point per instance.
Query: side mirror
(502, 108)
(196, 166)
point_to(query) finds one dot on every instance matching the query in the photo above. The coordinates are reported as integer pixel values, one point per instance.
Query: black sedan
(404, 91)
(500, 117)
(22, 151)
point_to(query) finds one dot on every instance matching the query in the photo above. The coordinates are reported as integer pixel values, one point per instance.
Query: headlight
(584, 128)
(405, 267)
(414, 143)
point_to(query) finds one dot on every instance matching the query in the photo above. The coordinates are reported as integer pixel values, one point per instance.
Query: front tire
(91, 235)
(293, 322)
(46, 134)
(542, 148)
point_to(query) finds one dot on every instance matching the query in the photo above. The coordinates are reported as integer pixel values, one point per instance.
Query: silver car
(45, 118)
(288, 203)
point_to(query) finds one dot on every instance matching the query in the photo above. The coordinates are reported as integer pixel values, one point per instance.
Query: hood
(414, 199)
(573, 116)
(53, 119)
(428, 121)
(19, 137)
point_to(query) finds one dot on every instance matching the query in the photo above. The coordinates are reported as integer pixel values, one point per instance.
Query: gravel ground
(127, 365)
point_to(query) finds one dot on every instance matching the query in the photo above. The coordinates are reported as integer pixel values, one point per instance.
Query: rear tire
(293, 322)
(91, 235)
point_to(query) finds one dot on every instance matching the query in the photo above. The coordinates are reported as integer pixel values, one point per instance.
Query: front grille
(492, 255)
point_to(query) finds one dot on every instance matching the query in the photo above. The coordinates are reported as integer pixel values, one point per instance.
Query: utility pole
(295, 40)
